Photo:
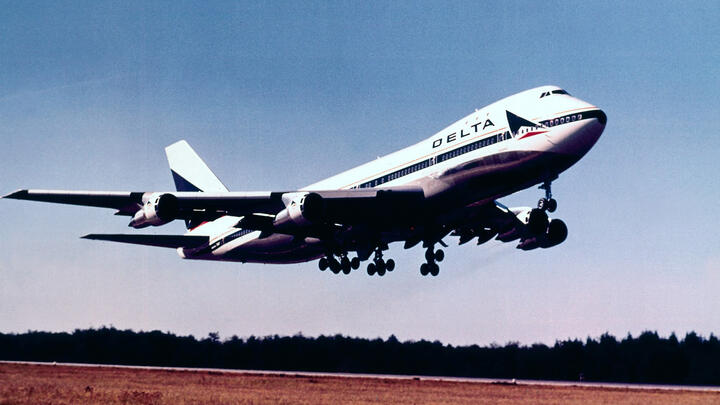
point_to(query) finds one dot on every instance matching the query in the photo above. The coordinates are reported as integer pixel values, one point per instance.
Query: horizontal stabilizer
(169, 241)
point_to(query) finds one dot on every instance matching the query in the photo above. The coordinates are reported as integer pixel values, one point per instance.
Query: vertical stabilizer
(189, 172)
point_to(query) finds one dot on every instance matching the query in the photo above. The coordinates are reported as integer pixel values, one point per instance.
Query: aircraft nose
(602, 117)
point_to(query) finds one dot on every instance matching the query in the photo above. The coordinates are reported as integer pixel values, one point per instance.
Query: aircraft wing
(529, 226)
(339, 206)
(126, 203)
(169, 241)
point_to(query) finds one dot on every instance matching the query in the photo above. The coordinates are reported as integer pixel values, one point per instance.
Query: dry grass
(47, 384)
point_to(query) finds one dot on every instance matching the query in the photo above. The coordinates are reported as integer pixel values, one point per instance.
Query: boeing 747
(447, 184)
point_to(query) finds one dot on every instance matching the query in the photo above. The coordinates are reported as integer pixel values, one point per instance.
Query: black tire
(381, 270)
(424, 269)
(371, 269)
(439, 255)
(335, 266)
(323, 263)
(434, 269)
(355, 263)
(390, 265)
(345, 263)
(381, 267)
(552, 205)
(346, 270)
(429, 255)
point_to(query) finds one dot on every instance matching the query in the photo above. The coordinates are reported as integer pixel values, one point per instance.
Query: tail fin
(189, 172)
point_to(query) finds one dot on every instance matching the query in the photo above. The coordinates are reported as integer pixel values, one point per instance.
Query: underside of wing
(125, 202)
(169, 241)
(531, 227)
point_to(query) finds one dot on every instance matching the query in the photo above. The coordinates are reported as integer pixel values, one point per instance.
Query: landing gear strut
(380, 266)
(548, 203)
(432, 256)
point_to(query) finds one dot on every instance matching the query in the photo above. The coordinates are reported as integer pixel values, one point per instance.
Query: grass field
(48, 384)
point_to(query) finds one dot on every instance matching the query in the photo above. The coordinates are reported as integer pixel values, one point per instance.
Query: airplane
(447, 184)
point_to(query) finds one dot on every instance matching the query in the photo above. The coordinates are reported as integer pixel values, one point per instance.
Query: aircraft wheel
(542, 204)
(434, 269)
(381, 267)
(323, 263)
(345, 265)
(429, 255)
(355, 263)
(371, 269)
(439, 255)
(390, 265)
(424, 269)
(552, 205)
(335, 266)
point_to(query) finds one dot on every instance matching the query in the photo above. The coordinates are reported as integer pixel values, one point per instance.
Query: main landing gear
(380, 266)
(344, 264)
(548, 203)
(432, 256)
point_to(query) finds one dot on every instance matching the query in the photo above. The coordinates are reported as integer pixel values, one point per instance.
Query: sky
(278, 95)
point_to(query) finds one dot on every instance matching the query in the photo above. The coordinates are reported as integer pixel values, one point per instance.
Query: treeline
(647, 358)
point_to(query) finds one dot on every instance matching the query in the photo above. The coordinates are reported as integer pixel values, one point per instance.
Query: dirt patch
(39, 384)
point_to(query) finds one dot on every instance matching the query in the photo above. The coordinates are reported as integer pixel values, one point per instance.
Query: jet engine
(302, 210)
(534, 220)
(158, 209)
(555, 234)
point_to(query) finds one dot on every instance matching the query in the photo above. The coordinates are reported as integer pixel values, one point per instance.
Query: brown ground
(48, 384)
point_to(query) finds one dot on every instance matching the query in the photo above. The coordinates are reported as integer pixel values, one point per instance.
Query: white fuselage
(475, 160)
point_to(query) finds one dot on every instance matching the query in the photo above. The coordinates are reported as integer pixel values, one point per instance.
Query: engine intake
(302, 210)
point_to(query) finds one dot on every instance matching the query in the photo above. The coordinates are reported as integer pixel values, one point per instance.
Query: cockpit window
(547, 93)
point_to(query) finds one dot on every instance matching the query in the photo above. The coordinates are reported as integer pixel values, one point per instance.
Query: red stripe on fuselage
(529, 134)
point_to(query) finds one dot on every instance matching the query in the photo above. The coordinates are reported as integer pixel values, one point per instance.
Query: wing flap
(168, 241)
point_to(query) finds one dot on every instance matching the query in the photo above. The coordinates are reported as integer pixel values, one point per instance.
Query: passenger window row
(440, 158)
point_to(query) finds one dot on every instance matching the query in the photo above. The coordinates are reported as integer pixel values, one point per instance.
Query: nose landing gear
(548, 203)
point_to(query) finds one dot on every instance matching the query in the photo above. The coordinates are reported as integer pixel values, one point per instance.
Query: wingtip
(88, 236)
(17, 194)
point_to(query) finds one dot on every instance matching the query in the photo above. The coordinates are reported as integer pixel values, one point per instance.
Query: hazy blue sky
(279, 95)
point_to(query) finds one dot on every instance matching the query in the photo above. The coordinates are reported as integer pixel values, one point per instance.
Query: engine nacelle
(302, 210)
(534, 220)
(158, 209)
(557, 232)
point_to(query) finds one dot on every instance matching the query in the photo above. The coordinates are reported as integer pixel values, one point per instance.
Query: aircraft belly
(495, 176)
(277, 249)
